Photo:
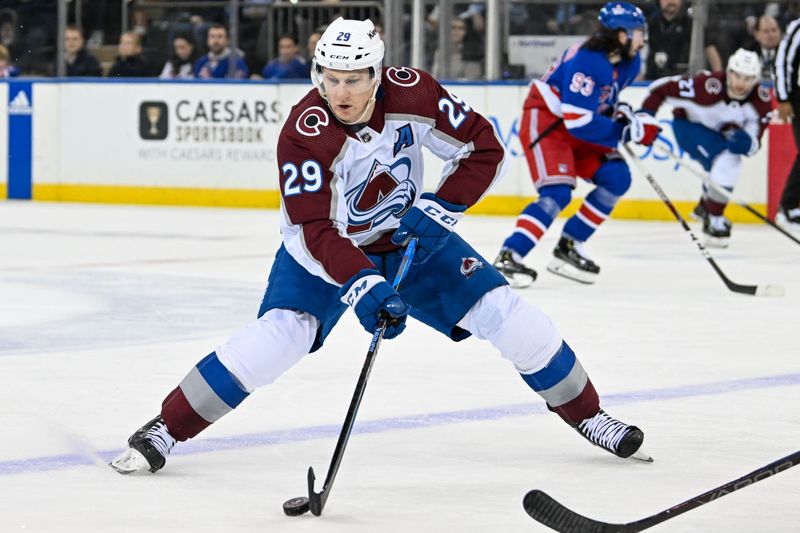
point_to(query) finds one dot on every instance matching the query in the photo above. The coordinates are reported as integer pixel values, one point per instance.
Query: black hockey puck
(296, 506)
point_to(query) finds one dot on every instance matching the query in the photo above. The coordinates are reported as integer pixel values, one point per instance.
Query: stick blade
(545, 510)
(315, 503)
(775, 291)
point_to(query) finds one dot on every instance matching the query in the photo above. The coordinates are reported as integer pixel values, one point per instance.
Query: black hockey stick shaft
(551, 513)
(547, 131)
(735, 287)
(316, 500)
(708, 183)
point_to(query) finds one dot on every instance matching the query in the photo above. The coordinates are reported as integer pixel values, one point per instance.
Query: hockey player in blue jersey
(571, 125)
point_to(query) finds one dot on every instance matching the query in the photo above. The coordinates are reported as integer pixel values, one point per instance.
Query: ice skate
(571, 263)
(699, 211)
(788, 219)
(148, 449)
(614, 436)
(717, 230)
(518, 275)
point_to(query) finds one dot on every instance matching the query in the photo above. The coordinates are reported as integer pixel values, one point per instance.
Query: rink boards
(213, 144)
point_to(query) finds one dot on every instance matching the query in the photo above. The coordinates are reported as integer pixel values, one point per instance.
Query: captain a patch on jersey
(405, 138)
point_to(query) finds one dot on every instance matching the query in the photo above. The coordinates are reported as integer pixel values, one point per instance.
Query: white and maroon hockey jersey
(703, 99)
(344, 190)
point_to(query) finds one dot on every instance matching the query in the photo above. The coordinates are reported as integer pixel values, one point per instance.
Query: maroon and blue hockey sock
(207, 393)
(566, 387)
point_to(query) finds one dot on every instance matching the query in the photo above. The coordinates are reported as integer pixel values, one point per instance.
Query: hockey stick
(547, 131)
(726, 193)
(316, 500)
(755, 290)
(554, 515)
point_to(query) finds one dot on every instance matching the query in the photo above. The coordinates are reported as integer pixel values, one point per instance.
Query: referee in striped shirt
(787, 89)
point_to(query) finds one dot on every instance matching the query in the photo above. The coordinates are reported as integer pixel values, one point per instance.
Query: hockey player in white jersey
(718, 117)
(351, 169)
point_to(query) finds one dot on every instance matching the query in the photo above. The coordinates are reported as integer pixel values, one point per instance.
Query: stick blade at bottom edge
(545, 510)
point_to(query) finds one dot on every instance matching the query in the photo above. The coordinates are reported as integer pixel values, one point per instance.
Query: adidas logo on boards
(20, 105)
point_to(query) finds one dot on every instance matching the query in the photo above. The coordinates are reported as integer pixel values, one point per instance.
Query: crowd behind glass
(183, 44)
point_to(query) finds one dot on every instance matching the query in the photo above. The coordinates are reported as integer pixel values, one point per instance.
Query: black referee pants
(791, 191)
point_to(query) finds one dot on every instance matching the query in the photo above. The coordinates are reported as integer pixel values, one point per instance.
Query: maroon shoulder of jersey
(763, 99)
(310, 142)
(709, 88)
(415, 92)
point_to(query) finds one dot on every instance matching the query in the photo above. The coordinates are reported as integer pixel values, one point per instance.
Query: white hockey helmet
(747, 65)
(745, 62)
(348, 45)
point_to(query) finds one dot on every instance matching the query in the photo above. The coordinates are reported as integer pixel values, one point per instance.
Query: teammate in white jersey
(351, 168)
(718, 118)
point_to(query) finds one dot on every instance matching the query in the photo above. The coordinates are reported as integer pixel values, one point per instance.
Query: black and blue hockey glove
(372, 298)
(432, 220)
(739, 141)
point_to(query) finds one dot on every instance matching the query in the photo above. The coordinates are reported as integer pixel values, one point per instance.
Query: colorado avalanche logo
(387, 192)
(404, 77)
(713, 86)
(310, 121)
(470, 265)
(764, 93)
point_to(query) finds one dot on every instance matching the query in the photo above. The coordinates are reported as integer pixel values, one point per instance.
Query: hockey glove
(372, 298)
(642, 127)
(739, 141)
(432, 220)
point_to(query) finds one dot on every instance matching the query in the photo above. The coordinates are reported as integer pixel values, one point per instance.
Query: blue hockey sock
(534, 220)
(596, 208)
(531, 225)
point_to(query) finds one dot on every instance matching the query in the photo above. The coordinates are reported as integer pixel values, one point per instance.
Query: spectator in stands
(216, 64)
(180, 65)
(9, 36)
(289, 64)
(7, 70)
(669, 35)
(767, 35)
(461, 65)
(79, 61)
(311, 45)
(129, 63)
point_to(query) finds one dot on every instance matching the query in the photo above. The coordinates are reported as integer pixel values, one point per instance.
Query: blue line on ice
(60, 462)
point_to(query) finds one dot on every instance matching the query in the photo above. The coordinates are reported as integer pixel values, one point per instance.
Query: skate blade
(784, 223)
(519, 281)
(562, 268)
(717, 242)
(130, 462)
(641, 455)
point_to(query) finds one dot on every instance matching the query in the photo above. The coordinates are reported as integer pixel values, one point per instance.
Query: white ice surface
(103, 309)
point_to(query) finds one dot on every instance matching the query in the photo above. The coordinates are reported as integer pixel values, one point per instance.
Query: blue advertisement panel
(20, 111)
